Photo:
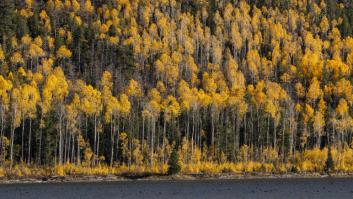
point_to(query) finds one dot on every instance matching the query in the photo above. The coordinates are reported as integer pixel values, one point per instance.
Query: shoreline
(183, 177)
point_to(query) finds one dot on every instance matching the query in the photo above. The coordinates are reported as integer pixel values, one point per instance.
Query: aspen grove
(108, 87)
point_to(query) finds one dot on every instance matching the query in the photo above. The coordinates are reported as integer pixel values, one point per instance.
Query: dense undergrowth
(308, 162)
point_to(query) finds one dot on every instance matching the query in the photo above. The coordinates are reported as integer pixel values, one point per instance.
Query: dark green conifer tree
(174, 165)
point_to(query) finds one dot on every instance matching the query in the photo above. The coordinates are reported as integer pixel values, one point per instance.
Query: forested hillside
(232, 85)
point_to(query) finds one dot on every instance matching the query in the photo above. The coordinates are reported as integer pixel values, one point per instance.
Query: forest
(115, 86)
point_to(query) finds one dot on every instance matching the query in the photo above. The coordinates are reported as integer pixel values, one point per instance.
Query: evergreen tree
(173, 164)
(329, 165)
(7, 10)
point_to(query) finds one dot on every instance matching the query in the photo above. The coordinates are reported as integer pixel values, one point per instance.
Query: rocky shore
(161, 177)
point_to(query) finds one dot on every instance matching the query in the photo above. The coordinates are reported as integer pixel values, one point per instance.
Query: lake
(213, 189)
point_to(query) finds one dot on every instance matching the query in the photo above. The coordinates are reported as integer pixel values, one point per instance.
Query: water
(213, 189)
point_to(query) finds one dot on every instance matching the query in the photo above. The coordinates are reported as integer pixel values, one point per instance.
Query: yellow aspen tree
(72, 117)
(343, 88)
(134, 89)
(319, 124)
(54, 92)
(5, 89)
(314, 91)
(29, 101)
(2, 54)
(15, 119)
(112, 108)
(342, 108)
(88, 7)
(91, 105)
(152, 109)
(171, 109)
(312, 65)
(64, 52)
(109, 101)
(254, 62)
(17, 58)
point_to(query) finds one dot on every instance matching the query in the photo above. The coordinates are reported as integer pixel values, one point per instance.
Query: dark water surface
(213, 189)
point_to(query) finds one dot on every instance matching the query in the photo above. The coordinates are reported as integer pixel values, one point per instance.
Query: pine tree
(329, 165)
(174, 164)
(7, 10)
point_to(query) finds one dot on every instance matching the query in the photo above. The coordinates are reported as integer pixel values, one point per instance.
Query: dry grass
(310, 161)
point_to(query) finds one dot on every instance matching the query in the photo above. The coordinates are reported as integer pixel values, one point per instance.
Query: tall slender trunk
(12, 137)
(187, 137)
(152, 141)
(39, 157)
(73, 149)
(268, 132)
(66, 141)
(212, 136)
(117, 139)
(252, 131)
(60, 140)
(283, 137)
(237, 134)
(98, 137)
(22, 138)
(193, 131)
(274, 136)
(111, 140)
(68, 146)
(291, 137)
(95, 140)
(2, 149)
(164, 137)
(11, 145)
(29, 141)
(78, 151)
(143, 135)
(245, 130)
